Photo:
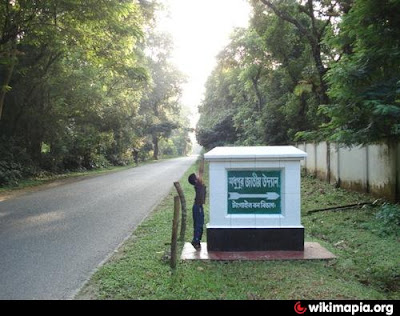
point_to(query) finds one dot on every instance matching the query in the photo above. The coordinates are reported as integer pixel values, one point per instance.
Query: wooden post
(183, 209)
(174, 238)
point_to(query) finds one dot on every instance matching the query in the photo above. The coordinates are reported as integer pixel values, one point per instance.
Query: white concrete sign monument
(254, 199)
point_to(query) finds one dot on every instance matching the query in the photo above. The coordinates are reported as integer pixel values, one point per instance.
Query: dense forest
(84, 84)
(307, 70)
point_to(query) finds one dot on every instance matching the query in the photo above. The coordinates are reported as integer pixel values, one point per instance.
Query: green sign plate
(254, 192)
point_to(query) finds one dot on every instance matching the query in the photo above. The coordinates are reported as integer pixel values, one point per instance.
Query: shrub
(14, 162)
(10, 173)
(389, 214)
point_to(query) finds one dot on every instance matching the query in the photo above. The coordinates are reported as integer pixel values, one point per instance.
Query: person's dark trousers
(198, 222)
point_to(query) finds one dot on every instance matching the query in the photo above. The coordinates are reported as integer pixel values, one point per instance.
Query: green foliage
(309, 70)
(365, 82)
(74, 76)
(10, 172)
(366, 267)
(389, 215)
(265, 81)
(15, 163)
(220, 134)
(160, 106)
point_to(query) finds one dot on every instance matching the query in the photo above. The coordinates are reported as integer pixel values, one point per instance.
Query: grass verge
(47, 178)
(367, 267)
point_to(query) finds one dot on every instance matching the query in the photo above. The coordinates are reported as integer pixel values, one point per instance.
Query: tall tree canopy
(74, 76)
(365, 83)
(160, 106)
(307, 69)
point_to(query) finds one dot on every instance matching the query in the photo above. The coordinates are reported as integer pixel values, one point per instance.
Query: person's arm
(201, 170)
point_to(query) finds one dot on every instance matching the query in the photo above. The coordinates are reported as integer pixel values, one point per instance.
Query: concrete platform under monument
(255, 239)
(312, 251)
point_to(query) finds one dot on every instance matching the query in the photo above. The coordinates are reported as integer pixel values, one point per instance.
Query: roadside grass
(367, 264)
(47, 178)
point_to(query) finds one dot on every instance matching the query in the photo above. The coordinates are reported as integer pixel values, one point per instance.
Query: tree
(106, 30)
(160, 106)
(365, 82)
(216, 126)
(307, 69)
(220, 134)
(312, 18)
(75, 79)
(264, 84)
(79, 86)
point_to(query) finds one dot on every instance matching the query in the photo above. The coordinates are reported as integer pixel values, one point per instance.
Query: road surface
(51, 241)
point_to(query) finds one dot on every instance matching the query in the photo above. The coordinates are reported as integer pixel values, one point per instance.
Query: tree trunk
(5, 84)
(35, 149)
(313, 37)
(260, 101)
(155, 147)
(316, 51)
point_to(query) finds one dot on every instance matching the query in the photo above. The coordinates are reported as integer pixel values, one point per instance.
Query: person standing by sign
(198, 210)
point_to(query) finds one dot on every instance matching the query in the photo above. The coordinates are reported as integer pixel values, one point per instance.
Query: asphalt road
(51, 241)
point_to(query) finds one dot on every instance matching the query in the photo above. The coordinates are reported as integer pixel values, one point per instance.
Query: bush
(389, 214)
(99, 161)
(14, 162)
(10, 173)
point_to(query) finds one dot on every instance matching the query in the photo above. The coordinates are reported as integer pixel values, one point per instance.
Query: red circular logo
(299, 309)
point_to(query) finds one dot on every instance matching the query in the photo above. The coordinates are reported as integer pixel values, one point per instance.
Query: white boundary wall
(373, 168)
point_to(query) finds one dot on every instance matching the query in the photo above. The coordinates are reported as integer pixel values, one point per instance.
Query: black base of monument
(255, 239)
